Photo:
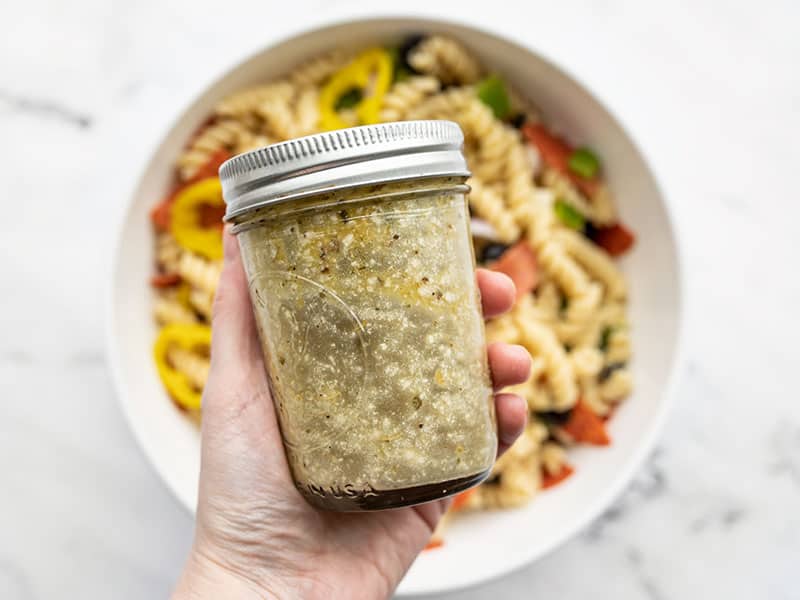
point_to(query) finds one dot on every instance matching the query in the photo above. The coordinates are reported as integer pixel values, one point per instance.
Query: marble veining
(14, 582)
(648, 585)
(784, 440)
(712, 91)
(650, 483)
(45, 108)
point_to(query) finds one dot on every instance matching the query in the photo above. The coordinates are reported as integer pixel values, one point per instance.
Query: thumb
(234, 341)
(240, 436)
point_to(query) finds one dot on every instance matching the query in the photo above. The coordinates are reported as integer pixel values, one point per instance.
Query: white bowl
(479, 546)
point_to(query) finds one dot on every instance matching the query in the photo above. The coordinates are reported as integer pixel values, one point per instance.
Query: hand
(255, 534)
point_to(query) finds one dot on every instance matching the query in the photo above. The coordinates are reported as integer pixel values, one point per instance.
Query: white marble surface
(711, 88)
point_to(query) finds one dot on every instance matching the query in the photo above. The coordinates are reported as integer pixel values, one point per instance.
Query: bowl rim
(430, 20)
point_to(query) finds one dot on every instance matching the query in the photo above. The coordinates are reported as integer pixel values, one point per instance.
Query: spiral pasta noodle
(598, 263)
(445, 59)
(553, 457)
(279, 121)
(548, 301)
(590, 396)
(537, 395)
(202, 302)
(307, 112)
(587, 361)
(488, 205)
(406, 95)
(192, 365)
(583, 306)
(598, 211)
(519, 175)
(502, 329)
(168, 310)
(222, 135)
(564, 270)
(446, 105)
(247, 102)
(603, 205)
(168, 252)
(495, 139)
(619, 347)
(315, 71)
(618, 385)
(251, 142)
(541, 341)
(519, 471)
(199, 272)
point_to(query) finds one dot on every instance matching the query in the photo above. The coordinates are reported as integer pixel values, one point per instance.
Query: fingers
(512, 415)
(497, 292)
(233, 338)
(509, 364)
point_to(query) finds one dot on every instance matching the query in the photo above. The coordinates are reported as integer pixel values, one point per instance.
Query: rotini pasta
(582, 307)
(537, 215)
(523, 106)
(537, 395)
(225, 134)
(519, 473)
(618, 385)
(590, 395)
(541, 341)
(597, 262)
(564, 270)
(247, 102)
(168, 253)
(519, 175)
(307, 112)
(279, 121)
(488, 205)
(447, 105)
(619, 346)
(587, 361)
(445, 59)
(315, 71)
(603, 205)
(590, 333)
(199, 272)
(502, 329)
(406, 95)
(548, 301)
(202, 302)
(494, 139)
(599, 210)
(168, 310)
(538, 368)
(193, 366)
(553, 457)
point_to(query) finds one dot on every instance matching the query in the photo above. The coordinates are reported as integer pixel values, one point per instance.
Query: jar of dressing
(357, 249)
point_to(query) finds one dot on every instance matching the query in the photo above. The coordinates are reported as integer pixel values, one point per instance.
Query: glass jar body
(369, 318)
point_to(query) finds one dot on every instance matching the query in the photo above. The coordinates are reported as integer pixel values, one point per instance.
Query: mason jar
(357, 249)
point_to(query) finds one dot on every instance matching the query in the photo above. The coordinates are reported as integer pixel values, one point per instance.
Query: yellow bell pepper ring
(371, 69)
(188, 336)
(370, 107)
(185, 221)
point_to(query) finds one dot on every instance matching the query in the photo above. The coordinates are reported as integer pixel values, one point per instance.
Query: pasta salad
(541, 210)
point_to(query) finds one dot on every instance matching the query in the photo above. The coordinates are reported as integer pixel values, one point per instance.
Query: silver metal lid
(341, 159)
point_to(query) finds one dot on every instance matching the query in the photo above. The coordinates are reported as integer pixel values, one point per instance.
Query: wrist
(203, 577)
